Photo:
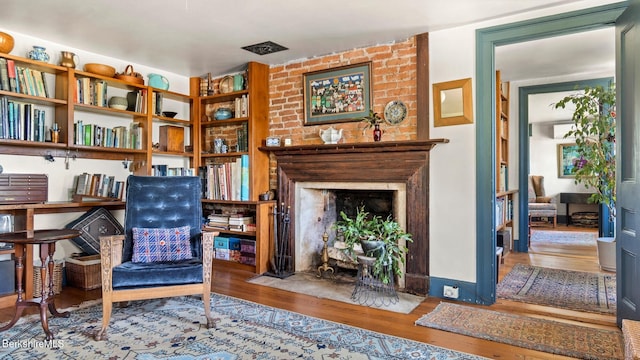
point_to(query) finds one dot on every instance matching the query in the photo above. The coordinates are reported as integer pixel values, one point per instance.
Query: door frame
(486, 41)
(523, 144)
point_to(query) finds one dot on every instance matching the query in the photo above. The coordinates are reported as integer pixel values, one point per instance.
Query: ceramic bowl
(118, 102)
(6, 43)
(169, 114)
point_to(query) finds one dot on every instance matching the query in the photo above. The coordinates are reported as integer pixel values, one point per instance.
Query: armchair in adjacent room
(163, 252)
(540, 205)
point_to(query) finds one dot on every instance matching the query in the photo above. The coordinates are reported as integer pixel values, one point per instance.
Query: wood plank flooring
(232, 283)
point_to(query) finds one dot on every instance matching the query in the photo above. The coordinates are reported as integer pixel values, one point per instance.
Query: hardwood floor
(232, 283)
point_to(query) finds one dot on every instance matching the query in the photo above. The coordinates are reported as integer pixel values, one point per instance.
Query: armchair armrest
(207, 255)
(546, 199)
(110, 256)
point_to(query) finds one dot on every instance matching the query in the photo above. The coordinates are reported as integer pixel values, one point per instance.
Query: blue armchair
(164, 215)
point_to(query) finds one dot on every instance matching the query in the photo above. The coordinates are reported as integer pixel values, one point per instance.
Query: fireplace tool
(280, 260)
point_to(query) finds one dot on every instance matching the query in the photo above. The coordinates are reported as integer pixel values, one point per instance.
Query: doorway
(486, 42)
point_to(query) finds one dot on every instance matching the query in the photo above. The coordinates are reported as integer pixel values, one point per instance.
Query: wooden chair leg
(106, 317)
(555, 220)
(206, 299)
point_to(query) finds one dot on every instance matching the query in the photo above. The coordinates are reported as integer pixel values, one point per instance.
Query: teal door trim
(486, 41)
(523, 142)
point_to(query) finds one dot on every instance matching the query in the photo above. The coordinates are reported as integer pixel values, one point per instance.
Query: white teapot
(330, 135)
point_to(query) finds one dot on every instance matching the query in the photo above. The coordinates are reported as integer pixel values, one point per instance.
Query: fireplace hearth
(399, 167)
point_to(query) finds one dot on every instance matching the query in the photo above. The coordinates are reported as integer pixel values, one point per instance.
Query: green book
(88, 135)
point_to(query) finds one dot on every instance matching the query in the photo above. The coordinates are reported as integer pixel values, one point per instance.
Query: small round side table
(47, 240)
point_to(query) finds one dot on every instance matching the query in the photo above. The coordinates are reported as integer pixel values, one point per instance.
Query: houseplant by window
(594, 129)
(380, 238)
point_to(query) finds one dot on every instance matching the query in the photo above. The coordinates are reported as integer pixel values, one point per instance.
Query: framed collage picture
(336, 95)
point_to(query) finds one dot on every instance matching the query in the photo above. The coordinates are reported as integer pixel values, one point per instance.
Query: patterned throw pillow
(155, 244)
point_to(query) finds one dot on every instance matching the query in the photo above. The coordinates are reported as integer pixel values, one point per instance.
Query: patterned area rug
(174, 328)
(564, 237)
(531, 333)
(575, 290)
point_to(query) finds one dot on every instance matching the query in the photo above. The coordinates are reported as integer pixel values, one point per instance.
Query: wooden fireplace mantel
(366, 147)
(404, 162)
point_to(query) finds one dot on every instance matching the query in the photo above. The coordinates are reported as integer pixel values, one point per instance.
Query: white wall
(60, 178)
(452, 171)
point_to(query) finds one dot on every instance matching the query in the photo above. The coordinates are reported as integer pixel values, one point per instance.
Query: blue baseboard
(466, 290)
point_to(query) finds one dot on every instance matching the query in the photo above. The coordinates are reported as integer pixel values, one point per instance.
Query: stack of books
(240, 222)
(218, 221)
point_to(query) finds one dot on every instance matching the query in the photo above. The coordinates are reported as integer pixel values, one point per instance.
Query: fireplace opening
(375, 202)
(318, 206)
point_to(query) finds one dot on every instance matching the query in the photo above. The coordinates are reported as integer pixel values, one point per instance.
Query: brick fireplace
(401, 166)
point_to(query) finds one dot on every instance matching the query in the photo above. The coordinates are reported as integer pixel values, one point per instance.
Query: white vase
(607, 253)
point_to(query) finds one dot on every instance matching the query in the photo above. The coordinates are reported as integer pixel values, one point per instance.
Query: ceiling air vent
(264, 48)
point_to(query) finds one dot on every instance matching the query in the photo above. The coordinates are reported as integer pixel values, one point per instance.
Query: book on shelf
(116, 137)
(244, 178)
(243, 137)
(223, 181)
(21, 121)
(4, 75)
(240, 218)
(503, 178)
(13, 79)
(165, 170)
(91, 92)
(218, 221)
(89, 187)
(157, 103)
(204, 85)
(241, 106)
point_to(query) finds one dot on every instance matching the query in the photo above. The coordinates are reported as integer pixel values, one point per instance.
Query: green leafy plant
(371, 120)
(594, 129)
(367, 227)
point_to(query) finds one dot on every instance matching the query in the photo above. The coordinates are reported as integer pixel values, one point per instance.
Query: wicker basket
(57, 279)
(84, 272)
(130, 76)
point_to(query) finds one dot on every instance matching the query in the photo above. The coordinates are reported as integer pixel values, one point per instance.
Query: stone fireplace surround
(402, 165)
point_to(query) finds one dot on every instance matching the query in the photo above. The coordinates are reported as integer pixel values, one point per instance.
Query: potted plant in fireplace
(377, 237)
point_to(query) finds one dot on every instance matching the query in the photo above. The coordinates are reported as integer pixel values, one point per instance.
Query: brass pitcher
(68, 59)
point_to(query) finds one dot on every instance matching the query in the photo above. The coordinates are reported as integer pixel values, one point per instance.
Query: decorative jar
(38, 53)
(68, 59)
(377, 133)
(222, 114)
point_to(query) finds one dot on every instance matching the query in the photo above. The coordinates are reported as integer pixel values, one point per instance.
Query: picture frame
(567, 156)
(341, 94)
(452, 103)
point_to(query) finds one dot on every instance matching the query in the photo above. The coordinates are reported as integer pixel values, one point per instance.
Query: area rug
(574, 290)
(174, 328)
(527, 332)
(584, 238)
(338, 289)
